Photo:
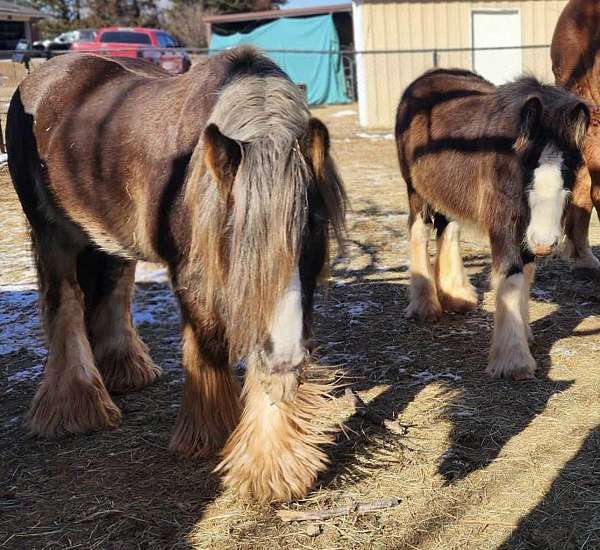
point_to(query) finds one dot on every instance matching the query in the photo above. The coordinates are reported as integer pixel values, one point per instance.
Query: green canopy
(321, 73)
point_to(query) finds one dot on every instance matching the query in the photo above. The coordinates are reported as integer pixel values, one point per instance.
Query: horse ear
(530, 119)
(222, 156)
(579, 118)
(319, 142)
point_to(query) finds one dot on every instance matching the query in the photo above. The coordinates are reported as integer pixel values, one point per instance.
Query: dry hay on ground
(478, 464)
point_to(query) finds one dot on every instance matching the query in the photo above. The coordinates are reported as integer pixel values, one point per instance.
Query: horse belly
(448, 191)
(115, 222)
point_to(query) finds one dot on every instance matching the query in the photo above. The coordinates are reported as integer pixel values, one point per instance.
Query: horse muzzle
(543, 250)
(539, 249)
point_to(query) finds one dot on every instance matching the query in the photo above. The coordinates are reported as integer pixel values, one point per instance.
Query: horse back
(575, 49)
(114, 138)
(451, 140)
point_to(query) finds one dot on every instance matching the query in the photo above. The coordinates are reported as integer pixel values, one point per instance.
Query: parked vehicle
(155, 45)
(65, 40)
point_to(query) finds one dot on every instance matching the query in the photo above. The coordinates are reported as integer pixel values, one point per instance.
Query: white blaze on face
(547, 198)
(287, 325)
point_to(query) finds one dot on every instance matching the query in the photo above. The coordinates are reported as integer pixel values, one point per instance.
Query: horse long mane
(248, 246)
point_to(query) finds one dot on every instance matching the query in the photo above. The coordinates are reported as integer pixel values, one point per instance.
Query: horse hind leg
(72, 397)
(454, 290)
(576, 248)
(121, 355)
(424, 303)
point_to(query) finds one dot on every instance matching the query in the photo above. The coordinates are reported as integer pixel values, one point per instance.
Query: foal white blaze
(547, 199)
(287, 326)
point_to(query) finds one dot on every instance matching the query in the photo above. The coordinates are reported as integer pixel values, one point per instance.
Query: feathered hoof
(202, 436)
(515, 363)
(424, 310)
(580, 260)
(275, 453)
(459, 300)
(128, 370)
(80, 407)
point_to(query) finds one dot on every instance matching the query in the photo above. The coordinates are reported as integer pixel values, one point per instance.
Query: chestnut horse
(503, 159)
(220, 174)
(576, 66)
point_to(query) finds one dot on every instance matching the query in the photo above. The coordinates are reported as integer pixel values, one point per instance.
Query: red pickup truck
(155, 45)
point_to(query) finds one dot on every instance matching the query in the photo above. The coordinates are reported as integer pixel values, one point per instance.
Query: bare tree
(185, 23)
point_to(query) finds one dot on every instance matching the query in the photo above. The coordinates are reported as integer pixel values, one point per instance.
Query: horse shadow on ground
(384, 349)
(575, 491)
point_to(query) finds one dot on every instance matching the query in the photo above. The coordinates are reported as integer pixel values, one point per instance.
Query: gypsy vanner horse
(503, 158)
(222, 175)
(575, 56)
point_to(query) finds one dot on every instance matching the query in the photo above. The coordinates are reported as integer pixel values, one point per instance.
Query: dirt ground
(478, 463)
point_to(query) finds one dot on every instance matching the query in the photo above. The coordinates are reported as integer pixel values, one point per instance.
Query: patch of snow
(19, 321)
(540, 294)
(155, 306)
(356, 309)
(343, 112)
(375, 136)
(25, 375)
(3, 159)
(149, 273)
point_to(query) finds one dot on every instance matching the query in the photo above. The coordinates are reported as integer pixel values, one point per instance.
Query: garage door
(493, 29)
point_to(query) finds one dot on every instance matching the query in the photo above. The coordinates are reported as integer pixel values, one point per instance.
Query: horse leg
(529, 274)
(120, 354)
(424, 303)
(509, 355)
(454, 290)
(594, 170)
(577, 249)
(72, 397)
(210, 409)
(275, 452)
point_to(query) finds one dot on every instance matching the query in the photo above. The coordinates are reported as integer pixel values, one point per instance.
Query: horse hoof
(513, 364)
(430, 312)
(128, 371)
(83, 408)
(460, 300)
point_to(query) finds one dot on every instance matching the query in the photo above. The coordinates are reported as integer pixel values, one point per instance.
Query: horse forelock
(251, 246)
(557, 123)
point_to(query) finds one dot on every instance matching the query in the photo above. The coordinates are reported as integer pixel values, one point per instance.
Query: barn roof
(20, 10)
(277, 14)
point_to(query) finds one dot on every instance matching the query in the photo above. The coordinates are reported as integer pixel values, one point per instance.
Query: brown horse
(503, 159)
(576, 66)
(220, 174)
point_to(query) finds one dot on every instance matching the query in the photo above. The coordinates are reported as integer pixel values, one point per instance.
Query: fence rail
(372, 74)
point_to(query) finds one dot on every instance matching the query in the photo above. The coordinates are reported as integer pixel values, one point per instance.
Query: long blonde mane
(257, 233)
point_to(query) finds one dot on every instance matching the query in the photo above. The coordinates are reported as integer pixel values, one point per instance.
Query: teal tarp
(322, 73)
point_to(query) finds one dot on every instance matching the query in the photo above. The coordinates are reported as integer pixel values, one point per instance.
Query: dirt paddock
(476, 463)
